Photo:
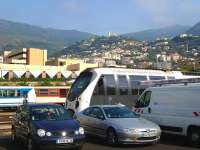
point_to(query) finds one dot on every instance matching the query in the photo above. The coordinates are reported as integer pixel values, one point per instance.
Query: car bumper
(137, 139)
(50, 143)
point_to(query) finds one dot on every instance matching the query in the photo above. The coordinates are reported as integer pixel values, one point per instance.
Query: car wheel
(30, 144)
(112, 138)
(78, 148)
(194, 137)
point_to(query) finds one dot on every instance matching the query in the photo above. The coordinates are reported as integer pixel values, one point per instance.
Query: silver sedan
(118, 124)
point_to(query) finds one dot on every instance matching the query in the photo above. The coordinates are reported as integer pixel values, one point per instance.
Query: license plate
(148, 134)
(64, 141)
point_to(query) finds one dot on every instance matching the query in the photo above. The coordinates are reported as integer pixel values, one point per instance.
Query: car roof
(41, 104)
(101, 106)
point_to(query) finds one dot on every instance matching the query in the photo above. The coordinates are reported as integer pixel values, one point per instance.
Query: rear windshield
(50, 113)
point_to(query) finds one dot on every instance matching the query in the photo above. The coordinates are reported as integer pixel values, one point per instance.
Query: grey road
(167, 143)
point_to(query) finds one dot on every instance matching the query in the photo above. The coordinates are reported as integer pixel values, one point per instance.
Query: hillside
(151, 35)
(97, 45)
(195, 30)
(17, 35)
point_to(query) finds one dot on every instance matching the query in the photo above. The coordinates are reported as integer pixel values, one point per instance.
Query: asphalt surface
(167, 142)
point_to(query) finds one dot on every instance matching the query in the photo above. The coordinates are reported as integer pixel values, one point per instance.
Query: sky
(102, 16)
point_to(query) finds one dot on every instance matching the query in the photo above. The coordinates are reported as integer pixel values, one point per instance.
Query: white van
(176, 108)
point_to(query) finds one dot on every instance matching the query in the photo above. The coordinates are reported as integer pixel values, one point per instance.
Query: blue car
(46, 126)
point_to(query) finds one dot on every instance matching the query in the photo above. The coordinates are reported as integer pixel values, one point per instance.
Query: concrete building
(1, 59)
(28, 56)
(63, 61)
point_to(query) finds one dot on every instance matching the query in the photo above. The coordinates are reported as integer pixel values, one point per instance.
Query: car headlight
(76, 132)
(41, 132)
(81, 130)
(48, 133)
(131, 131)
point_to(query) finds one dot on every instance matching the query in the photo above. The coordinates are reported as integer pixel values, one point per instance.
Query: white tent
(19, 73)
(36, 73)
(3, 73)
(66, 74)
(51, 73)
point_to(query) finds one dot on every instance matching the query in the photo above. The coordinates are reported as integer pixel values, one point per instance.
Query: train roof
(132, 71)
(172, 86)
(16, 87)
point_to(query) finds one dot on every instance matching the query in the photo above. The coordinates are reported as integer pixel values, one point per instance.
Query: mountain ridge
(17, 35)
(152, 34)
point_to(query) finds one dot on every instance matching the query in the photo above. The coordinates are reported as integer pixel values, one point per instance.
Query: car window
(119, 112)
(144, 100)
(96, 113)
(87, 111)
(50, 113)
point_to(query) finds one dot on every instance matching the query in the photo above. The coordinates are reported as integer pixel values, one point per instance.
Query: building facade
(26, 56)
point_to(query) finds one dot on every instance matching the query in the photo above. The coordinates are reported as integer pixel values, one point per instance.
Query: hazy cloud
(74, 7)
(168, 12)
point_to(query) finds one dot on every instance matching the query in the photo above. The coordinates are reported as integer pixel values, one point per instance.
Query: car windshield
(50, 113)
(119, 112)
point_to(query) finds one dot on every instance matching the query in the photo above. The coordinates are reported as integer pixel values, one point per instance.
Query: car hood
(66, 125)
(136, 123)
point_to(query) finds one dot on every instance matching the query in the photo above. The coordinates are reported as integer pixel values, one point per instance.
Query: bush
(22, 84)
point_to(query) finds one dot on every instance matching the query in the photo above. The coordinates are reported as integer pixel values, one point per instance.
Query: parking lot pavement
(168, 142)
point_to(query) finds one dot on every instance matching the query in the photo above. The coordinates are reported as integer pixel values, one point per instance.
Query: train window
(53, 92)
(156, 78)
(4, 93)
(170, 78)
(138, 78)
(135, 92)
(37, 92)
(63, 92)
(10, 93)
(43, 92)
(110, 84)
(123, 85)
(79, 85)
(99, 89)
(134, 81)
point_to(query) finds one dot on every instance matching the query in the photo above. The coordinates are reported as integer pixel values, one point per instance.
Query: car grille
(147, 138)
(59, 133)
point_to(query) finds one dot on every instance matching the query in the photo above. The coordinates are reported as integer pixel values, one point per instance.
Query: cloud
(169, 12)
(74, 7)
